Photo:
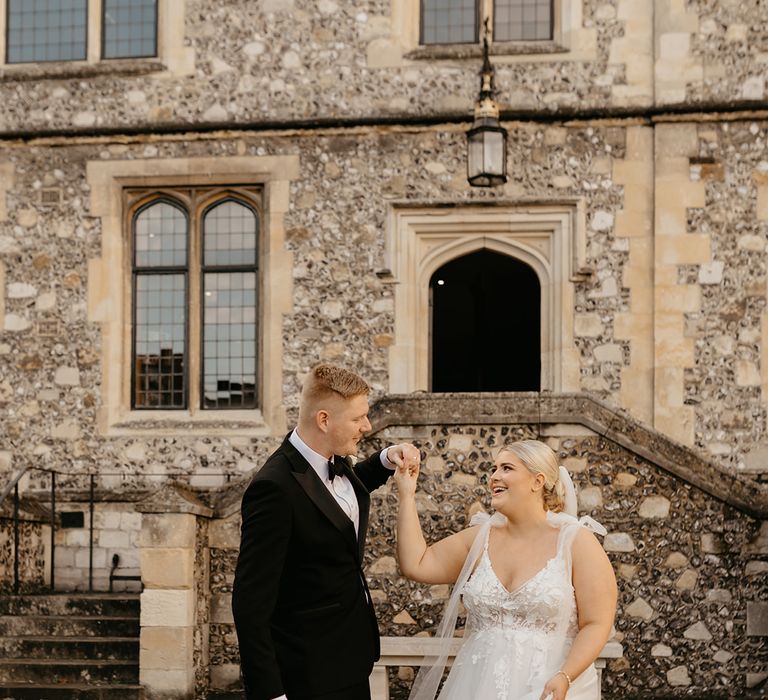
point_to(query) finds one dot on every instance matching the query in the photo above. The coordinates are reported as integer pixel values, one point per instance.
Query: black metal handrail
(13, 487)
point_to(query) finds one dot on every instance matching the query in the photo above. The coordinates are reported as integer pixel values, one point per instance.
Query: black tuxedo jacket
(304, 621)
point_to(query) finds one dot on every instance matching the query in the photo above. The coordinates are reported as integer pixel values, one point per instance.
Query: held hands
(556, 688)
(404, 454)
(407, 458)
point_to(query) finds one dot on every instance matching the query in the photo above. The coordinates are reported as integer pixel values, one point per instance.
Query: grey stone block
(757, 619)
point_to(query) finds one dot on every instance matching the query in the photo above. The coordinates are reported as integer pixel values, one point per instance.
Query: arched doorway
(485, 324)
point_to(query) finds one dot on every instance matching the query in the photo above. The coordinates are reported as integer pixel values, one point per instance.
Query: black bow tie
(335, 468)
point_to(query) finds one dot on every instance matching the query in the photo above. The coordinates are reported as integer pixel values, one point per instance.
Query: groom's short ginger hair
(326, 381)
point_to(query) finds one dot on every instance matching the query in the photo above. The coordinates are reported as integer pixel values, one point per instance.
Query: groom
(304, 617)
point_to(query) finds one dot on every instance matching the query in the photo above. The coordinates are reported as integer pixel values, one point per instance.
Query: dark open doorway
(486, 327)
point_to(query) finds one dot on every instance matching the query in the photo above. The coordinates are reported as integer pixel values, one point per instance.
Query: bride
(539, 591)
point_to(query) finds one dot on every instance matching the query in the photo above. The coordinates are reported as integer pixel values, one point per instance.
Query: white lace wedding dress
(514, 641)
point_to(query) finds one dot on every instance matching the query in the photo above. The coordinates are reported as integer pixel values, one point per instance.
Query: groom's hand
(404, 455)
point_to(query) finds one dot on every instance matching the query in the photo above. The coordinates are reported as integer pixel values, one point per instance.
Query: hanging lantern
(487, 139)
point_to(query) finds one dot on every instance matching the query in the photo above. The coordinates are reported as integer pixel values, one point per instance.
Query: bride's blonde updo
(540, 459)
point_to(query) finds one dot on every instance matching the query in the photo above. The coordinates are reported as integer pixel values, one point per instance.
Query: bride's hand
(556, 688)
(406, 475)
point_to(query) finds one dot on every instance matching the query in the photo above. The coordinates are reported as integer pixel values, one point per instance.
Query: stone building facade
(637, 192)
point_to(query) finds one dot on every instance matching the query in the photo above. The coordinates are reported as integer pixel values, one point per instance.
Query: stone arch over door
(549, 238)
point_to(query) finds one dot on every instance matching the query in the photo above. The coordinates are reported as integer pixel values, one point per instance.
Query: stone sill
(475, 51)
(249, 423)
(61, 70)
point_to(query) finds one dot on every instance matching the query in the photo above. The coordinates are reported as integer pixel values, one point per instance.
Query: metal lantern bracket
(487, 139)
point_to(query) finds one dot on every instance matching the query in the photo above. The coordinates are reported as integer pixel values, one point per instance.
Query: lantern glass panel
(486, 156)
(475, 155)
(493, 152)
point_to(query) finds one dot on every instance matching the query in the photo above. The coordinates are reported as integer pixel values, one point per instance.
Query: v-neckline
(518, 588)
(530, 578)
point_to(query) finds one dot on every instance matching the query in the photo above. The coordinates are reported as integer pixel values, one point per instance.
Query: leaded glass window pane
(229, 340)
(160, 236)
(160, 341)
(522, 20)
(449, 21)
(46, 30)
(130, 28)
(230, 235)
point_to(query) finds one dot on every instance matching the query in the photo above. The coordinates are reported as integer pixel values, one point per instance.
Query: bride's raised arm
(437, 563)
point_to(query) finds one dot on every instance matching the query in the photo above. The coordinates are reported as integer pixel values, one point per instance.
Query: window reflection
(160, 339)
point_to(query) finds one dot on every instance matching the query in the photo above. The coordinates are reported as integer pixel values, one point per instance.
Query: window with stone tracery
(195, 298)
(460, 21)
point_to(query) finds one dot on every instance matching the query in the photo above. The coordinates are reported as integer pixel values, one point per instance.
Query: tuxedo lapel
(363, 504)
(319, 494)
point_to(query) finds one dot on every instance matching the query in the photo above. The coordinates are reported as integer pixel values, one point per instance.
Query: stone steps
(90, 604)
(81, 646)
(25, 691)
(70, 626)
(49, 647)
(72, 671)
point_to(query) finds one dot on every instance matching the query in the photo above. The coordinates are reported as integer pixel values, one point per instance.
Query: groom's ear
(321, 420)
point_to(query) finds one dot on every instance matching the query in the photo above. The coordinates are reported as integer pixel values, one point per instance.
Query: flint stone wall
(242, 62)
(342, 312)
(731, 50)
(723, 384)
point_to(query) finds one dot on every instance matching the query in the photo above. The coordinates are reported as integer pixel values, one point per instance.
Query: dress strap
(487, 540)
(569, 527)
(565, 538)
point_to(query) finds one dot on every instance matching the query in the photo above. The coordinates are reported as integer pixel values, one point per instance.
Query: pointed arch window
(230, 229)
(161, 235)
(195, 300)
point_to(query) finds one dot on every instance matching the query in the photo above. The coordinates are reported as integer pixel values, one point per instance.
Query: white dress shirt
(341, 487)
